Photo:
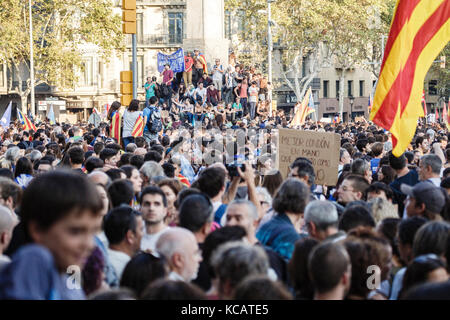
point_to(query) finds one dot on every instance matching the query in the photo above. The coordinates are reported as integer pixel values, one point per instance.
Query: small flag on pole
(6, 119)
(26, 122)
(51, 115)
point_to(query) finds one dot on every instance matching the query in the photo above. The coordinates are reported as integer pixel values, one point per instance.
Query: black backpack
(154, 123)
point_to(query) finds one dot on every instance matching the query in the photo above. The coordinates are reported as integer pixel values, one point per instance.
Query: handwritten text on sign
(320, 147)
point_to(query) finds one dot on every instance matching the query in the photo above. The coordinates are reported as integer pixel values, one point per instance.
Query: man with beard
(154, 210)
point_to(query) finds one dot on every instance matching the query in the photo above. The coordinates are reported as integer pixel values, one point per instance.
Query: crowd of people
(195, 208)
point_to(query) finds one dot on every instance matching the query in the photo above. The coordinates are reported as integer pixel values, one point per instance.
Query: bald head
(99, 177)
(173, 241)
(180, 248)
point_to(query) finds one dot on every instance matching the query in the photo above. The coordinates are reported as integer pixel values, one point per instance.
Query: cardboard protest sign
(322, 148)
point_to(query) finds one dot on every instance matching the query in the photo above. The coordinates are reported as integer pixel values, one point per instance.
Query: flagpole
(31, 61)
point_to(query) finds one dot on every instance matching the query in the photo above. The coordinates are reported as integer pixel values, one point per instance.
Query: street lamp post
(270, 48)
(31, 62)
(352, 100)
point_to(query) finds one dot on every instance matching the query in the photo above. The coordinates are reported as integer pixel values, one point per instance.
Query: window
(361, 88)
(432, 90)
(337, 88)
(350, 88)
(175, 27)
(140, 70)
(87, 72)
(326, 83)
(139, 27)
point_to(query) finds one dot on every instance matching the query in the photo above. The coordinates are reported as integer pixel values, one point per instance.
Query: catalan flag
(419, 31)
(303, 110)
(138, 130)
(116, 123)
(26, 122)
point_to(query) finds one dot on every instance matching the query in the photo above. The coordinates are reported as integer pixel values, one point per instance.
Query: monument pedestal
(205, 30)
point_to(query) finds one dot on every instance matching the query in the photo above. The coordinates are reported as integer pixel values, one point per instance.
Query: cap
(426, 192)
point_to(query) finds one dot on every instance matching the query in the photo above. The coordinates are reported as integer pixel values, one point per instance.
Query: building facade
(162, 26)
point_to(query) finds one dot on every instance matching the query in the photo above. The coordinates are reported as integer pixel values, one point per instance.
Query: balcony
(159, 40)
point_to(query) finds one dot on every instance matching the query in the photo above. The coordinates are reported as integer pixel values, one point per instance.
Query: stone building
(162, 26)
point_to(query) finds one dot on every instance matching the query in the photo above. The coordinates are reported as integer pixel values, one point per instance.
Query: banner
(322, 148)
(176, 61)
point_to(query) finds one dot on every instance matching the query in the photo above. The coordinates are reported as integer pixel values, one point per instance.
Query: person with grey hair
(244, 213)
(265, 199)
(35, 155)
(282, 231)
(11, 156)
(321, 219)
(430, 169)
(362, 167)
(7, 224)
(233, 262)
(150, 170)
(180, 248)
(131, 147)
(344, 158)
(99, 177)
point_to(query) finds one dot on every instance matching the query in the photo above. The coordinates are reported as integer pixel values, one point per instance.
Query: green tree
(319, 34)
(62, 31)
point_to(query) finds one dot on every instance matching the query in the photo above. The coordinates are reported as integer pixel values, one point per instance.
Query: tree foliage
(62, 32)
(342, 33)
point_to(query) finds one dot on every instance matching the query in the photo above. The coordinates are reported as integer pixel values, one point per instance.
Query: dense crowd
(195, 208)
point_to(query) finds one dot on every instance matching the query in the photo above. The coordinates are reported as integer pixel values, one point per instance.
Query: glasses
(426, 258)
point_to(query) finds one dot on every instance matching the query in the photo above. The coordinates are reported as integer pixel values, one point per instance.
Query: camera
(232, 169)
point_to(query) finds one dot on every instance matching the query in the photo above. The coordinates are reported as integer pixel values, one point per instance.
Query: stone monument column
(205, 30)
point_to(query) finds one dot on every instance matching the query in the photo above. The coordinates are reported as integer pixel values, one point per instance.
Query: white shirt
(200, 92)
(148, 241)
(118, 260)
(217, 75)
(4, 261)
(176, 277)
(435, 181)
(129, 120)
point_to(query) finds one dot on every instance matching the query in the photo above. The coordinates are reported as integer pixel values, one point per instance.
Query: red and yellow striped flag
(115, 126)
(138, 130)
(26, 122)
(303, 111)
(419, 31)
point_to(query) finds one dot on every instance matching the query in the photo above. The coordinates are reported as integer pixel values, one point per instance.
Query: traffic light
(126, 87)
(129, 16)
(442, 62)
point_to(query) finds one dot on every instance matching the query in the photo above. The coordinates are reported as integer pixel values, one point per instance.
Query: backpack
(154, 124)
(164, 90)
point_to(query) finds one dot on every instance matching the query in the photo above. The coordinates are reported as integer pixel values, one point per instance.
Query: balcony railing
(159, 39)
